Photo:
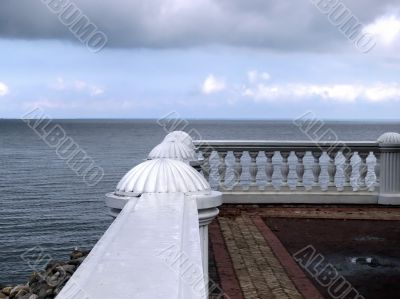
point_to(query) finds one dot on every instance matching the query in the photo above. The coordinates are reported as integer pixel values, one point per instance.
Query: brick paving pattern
(248, 260)
(260, 273)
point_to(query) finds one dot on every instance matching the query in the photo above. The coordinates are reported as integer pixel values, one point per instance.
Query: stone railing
(163, 206)
(158, 245)
(256, 171)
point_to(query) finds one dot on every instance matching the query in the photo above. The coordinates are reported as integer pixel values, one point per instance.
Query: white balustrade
(206, 164)
(346, 174)
(222, 169)
(168, 205)
(269, 170)
(316, 167)
(284, 171)
(300, 168)
(253, 170)
(348, 168)
(163, 208)
(363, 170)
(332, 171)
(238, 169)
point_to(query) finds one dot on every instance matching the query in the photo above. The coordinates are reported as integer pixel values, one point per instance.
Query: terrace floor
(252, 247)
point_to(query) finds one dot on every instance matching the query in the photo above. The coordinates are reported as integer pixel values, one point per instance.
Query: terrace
(219, 232)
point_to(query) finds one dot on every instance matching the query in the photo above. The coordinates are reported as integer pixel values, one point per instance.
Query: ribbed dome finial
(173, 149)
(389, 138)
(162, 176)
(180, 136)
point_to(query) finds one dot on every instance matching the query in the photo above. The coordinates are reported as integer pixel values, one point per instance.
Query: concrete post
(207, 209)
(161, 176)
(389, 192)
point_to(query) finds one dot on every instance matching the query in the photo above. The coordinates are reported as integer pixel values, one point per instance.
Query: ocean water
(45, 206)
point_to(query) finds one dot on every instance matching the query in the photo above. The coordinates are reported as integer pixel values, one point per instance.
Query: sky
(230, 59)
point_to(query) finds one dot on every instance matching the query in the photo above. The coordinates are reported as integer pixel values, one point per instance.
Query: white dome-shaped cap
(173, 150)
(180, 136)
(390, 138)
(162, 176)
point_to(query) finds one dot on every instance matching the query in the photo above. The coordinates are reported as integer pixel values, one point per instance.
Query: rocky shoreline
(47, 283)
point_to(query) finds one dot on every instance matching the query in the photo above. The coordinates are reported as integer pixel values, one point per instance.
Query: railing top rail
(230, 145)
(141, 246)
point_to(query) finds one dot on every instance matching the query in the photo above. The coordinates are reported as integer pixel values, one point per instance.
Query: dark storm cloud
(281, 25)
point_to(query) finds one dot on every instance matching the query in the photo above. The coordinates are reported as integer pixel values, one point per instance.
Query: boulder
(7, 290)
(19, 290)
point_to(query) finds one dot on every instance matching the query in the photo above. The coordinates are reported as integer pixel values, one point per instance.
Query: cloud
(383, 92)
(95, 90)
(385, 28)
(213, 84)
(92, 89)
(3, 89)
(59, 84)
(378, 92)
(77, 86)
(269, 24)
(255, 76)
(80, 85)
(259, 88)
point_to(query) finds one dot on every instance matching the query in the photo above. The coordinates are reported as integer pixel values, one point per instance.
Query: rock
(55, 279)
(37, 286)
(7, 290)
(43, 292)
(51, 265)
(48, 283)
(49, 292)
(76, 254)
(25, 296)
(69, 268)
(35, 277)
(19, 290)
(77, 262)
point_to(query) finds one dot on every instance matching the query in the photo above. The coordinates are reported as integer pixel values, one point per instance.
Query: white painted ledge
(311, 197)
(152, 251)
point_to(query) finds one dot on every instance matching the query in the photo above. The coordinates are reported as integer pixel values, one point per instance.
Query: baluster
(348, 170)
(316, 167)
(377, 169)
(222, 169)
(363, 170)
(285, 171)
(300, 168)
(238, 169)
(206, 164)
(269, 169)
(332, 171)
(253, 170)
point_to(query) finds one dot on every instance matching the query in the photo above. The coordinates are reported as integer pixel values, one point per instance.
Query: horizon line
(212, 118)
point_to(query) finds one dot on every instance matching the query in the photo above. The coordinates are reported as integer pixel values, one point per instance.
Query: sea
(47, 208)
